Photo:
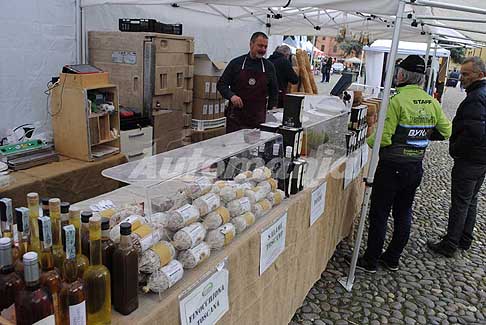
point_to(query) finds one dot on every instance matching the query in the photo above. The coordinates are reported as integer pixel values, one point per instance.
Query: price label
(272, 243)
(318, 203)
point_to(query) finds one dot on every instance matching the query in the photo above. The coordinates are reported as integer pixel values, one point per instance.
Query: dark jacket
(230, 77)
(285, 72)
(468, 139)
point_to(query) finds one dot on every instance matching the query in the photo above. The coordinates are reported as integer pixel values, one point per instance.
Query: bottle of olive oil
(97, 279)
(82, 261)
(33, 205)
(55, 215)
(85, 216)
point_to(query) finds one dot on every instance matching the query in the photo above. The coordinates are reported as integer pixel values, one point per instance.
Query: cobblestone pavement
(427, 289)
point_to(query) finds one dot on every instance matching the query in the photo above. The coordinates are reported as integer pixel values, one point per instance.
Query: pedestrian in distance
(467, 146)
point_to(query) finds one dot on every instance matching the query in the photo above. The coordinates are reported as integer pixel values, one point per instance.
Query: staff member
(249, 82)
(412, 120)
(284, 70)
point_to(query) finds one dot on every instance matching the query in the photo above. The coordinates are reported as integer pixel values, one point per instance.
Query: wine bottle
(64, 213)
(33, 205)
(55, 215)
(33, 304)
(10, 281)
(125, 270)
(107, 248)
(73, 296)
(50, 277)
(85, 216)
(97, 279)
(23, 229)
(82, 261)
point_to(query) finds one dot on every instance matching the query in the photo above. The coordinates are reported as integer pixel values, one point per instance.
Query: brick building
(329, 46)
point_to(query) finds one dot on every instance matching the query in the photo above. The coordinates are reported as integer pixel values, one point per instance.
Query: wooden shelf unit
(76, 128)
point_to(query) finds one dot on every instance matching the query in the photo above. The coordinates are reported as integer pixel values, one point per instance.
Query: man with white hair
(285, 72)
(412, 120)
(467, 147)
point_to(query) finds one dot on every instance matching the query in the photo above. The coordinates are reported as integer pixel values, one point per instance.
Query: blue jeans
(393, 188)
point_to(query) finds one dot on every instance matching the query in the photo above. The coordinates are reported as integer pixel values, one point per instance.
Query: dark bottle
(23, 229)
(33, 303)
(10, 281)
(82, 261)
(97, 279)
(73, 296)
(125, 270)
(50, 277)
(107, 249)
(65, 213)
(85, 215)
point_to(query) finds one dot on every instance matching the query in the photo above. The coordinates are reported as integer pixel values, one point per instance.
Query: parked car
(337, 67)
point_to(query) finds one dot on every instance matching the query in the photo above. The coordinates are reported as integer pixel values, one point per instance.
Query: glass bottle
(45, 206)
(97, 279)
(55, 215)
(50, 277)
(10, 281)
(6, 216)
(23, 229)
(107, 249)
(64, 213)
(33, 303)
(125, 269)
(85, 216)
(72, 296)
(82, 261)
(33, 205)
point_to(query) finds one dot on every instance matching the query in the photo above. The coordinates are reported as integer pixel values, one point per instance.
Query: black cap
(85, 215)
(413, 63)
(20, 223)
(45, 201)
(65, 207)
(105, 223)
(125, 228)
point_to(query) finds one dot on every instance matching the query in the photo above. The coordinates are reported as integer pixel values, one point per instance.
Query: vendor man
(249, 82)
(412, 120)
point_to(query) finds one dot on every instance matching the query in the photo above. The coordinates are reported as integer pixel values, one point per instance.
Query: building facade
(329, 46)
(481, 52)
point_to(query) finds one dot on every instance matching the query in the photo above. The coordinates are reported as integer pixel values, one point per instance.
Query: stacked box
(168, 130)
(372, 115)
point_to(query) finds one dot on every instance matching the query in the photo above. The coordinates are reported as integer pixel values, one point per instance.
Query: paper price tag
(272, 243)
(318, 203)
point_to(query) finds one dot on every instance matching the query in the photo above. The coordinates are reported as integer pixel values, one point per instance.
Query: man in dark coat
(467, 147)
(284, 70)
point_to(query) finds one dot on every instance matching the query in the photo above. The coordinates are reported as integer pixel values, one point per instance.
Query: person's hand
(236, 101)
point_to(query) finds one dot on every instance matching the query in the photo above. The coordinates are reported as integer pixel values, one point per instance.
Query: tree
(350, 46)
(458, 55)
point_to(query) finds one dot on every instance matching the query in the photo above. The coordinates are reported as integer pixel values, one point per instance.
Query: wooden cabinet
(82, 129)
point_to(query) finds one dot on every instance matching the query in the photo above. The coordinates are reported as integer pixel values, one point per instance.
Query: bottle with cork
(82, 261)
(33, 205)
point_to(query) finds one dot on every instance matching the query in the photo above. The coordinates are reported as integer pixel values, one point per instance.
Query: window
(323, 48)
(335, 49)
(324, 38)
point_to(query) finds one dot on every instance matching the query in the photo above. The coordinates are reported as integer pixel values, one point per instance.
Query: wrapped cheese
(189, 236)
(238, 207)
(135, 220)
(207, 203)
(261, 174)
(198, 187)
(216, 218)
(218, 238)
(270, 185)
(182, 217)
(219, 185)
(193, 257)
(256, 194)
(165, 277)
(276, 197)
(164, 203)
(242, 222)
(261, 208)
(156, 257)
(243, 177)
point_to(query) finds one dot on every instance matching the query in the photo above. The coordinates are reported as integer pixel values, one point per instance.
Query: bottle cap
(45, 201)
(85, 216)
(65, 207)
(105, 224)
(31, 267)
(125, 228)
(5, 243)
(30, 258)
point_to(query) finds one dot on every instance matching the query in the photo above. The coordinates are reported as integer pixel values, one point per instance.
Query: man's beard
(259, 56)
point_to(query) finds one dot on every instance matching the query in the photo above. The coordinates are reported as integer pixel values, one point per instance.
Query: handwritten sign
(272, 243)
(318, 203)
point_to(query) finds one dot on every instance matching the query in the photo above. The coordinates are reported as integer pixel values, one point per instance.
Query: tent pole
(429, 81)
(441, 5)
(457, 29)
(461, 19)
(348, 282)
(445, 81)
(361, 66)
(78, 38)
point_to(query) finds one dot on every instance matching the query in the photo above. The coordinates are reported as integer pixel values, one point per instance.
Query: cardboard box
(205, 109)
(168, 126)
(206, 87)
(204, 66)
(169, 79)
(208, 134)
(187, 120)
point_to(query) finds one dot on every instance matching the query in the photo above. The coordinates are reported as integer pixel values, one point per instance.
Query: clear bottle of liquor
(97, 279)
(33, 304)
(73, 295)
(82, 261)
(33, 205)
(55, 215)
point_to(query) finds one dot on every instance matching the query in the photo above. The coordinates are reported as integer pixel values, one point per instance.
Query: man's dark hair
(256, 35)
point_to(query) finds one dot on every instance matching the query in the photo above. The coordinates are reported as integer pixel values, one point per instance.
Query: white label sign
(77, 314)
(364, 155)
(208, 302)
(348, 172)
(318, 203)
(272, 243)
